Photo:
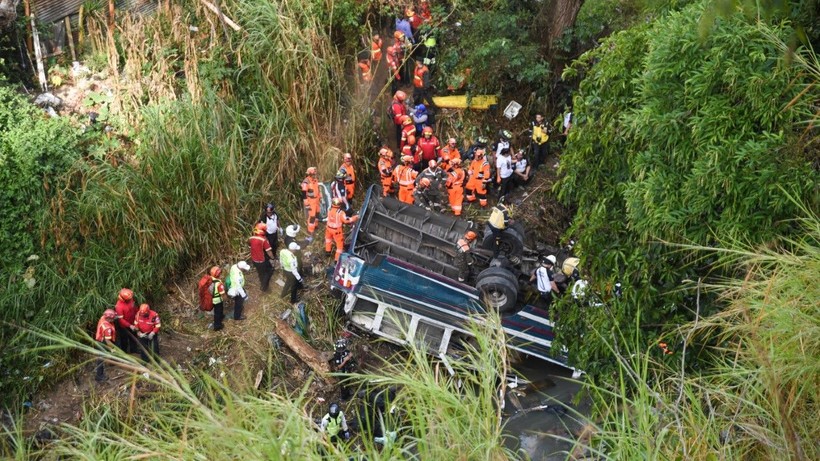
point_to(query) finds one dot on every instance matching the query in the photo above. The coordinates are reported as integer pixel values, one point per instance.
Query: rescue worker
(343, 362)
(236, 289)
(311, 198)
(424, 11)
(376, 49)
(334, 233)
(364, 68)
(544, 280)
(339, 191)
(429, 145)
(478, 177)
(405, 175)
(398, 110)
(408, 132)
(290, 233)
(395, 57)
(385, 168)
(455, 186)
(218, 292)
(498, 222)
(404, 28)
(421, 84)
(350, 178)
(480, 143)
(271, 220)
(106, 335)
(334, 423)
(425, 196)
(126, 309)
(262, 256)
(504, 173)
(521, 171)
(434, 174)
(414, 20)
(147, 331)
(452, 146)
(444, 161)
(463, 257)
(540, 136)
(427, 51)
(290, 268)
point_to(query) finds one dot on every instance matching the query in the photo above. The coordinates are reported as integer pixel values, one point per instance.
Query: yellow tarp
(480, 102)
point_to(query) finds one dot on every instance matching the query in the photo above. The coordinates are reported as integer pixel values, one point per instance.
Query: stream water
(540, 410)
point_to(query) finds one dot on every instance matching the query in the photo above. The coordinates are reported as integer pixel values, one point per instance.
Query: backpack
(206, 297)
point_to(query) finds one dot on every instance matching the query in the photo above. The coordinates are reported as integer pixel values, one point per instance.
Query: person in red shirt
(414, 19)
(398, 110)
(106, 335)
(262, 256)
(408, 133)
(424, 11)
(429, 145)
(395, 58)
(126, 309)
(147, 322)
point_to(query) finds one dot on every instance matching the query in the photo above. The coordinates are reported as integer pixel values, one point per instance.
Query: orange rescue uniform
(376, 49)
(476, 186)
(334, 233)
(311, 199)
(386, 174)
(406, 177)
(455, 189)
(350, 184)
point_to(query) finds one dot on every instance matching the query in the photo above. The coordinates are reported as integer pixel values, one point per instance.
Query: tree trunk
(308, 354)
(8, 13)
(554, 18)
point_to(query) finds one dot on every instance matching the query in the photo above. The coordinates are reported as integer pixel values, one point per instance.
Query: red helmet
(470, 235)
(215, 271)
(260, 229)
(126, 294)
(406, 120)
(400, 95)
(110, 314)
(427, 130)
(425, 182)
(143, 310)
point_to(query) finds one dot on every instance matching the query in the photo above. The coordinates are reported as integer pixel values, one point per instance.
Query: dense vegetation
(684, 140)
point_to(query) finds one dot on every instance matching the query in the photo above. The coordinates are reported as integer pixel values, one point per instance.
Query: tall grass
(761, 398)
(182, 417)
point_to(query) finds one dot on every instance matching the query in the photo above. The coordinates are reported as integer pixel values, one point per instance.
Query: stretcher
(478, 102)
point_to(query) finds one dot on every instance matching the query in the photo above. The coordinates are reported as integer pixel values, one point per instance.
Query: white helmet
(294, 246)
(292, 230)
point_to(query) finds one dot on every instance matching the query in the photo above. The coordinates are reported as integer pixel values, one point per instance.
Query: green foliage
(596, 19)
(678, 140)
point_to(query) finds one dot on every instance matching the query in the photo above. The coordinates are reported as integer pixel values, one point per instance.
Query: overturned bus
(399, 281)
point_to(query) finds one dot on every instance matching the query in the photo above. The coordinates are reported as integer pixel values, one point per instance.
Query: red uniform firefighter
(479, 176)
(414, 19)
(386, 170)
(399, 111)
(106, 335)
(334, 233)
(147, 330)
(395, 56)
(405, 175)
(364, 67)
(311, 200)
(126, 309)
(455, 186)
(421, 84)
(428, 145)
(376, 49)
(350, 175)
(424, 10)
(408, 132)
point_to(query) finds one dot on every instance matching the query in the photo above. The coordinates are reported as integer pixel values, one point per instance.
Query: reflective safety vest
(418, 76)
(288, 260)
(455, 178)
(105, 331)
(310, 186)
(217, 297)
(336, 218)
(480, 169)
(376, 50)
(406, 176)
(334, 425)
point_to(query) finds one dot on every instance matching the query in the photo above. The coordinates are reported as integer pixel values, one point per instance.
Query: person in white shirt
(271, 221)
(544, 280)
(504, 172)
(521, 173)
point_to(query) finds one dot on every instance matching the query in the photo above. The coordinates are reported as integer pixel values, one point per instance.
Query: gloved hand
(151, 335)
(141, 334)
(133, 327)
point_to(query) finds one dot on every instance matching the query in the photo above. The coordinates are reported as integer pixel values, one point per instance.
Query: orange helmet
(336, 202)
(311, 171)
(427, 130)
(215, 271)
(425, 182)
(407, 158)
(470, 235)
(400, 95)
(406, 120)
(144, 308)
(126, 295)
(260, 229)
(110, 314)
(398, 35)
